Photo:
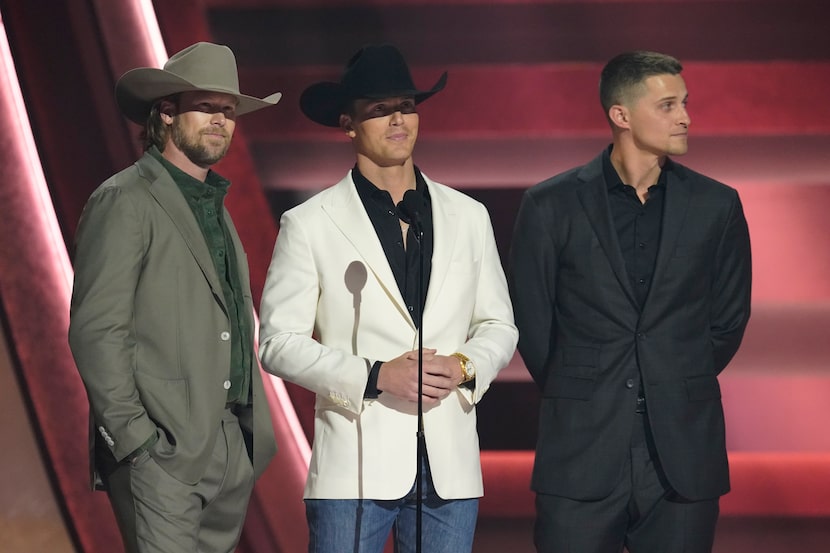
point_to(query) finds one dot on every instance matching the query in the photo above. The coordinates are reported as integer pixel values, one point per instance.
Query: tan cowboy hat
(374, 72)
(201, 67)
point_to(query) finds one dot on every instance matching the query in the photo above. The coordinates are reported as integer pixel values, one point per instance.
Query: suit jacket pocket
(700, 388)
(167, 401)
(569, 387)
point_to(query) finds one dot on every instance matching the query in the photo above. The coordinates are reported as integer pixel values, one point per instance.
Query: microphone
(409, 210)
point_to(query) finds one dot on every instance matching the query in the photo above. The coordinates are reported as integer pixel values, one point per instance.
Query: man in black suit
(630, 278)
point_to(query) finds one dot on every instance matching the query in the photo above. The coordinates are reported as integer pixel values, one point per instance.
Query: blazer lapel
(444, 232)
(170, 198)
(678, 194)
(347, 212)
(593, 195)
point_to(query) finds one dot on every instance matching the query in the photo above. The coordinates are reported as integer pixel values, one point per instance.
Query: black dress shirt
(404, 262)
(638, 225)
(639, 228)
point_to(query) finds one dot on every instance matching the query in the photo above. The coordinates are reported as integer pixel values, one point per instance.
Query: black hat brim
(324, 102)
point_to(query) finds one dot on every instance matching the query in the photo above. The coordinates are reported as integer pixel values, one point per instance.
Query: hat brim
(137, 90)
(324, 102)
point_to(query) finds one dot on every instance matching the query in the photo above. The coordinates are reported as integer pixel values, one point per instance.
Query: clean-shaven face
(384, 131)
(658, 119)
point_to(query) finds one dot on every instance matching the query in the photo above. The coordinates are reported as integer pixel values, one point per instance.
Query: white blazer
(331, 308)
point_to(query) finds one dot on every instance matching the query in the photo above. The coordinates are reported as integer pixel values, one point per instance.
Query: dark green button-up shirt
(206, 200)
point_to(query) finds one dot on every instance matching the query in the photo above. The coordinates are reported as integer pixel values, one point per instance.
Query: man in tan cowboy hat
(347, 270)
(161, 323)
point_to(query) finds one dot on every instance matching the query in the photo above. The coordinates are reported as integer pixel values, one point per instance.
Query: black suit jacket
(587, 342)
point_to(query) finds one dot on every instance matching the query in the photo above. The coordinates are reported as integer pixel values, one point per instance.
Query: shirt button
(642, 281)
(629, 383)
(642, 245)
(227, 384)
(225, 336)
(411, 309)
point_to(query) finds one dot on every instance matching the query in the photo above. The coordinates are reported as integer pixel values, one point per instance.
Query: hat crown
(203, 66)
(377, 71)
(206, 65)
(374, 72)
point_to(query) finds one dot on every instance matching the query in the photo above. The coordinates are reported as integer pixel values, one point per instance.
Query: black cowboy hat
(374, 72)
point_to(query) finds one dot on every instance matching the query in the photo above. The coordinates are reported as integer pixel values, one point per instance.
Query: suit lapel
(593, 195)
(678, 194)
(346, 211)
(444, 233)
(171, 200)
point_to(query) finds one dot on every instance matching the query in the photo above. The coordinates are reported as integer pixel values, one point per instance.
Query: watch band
(464, 361)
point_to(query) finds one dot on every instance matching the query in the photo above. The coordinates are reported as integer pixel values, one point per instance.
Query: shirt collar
(214, 182)
(367, 189)
(612, 178)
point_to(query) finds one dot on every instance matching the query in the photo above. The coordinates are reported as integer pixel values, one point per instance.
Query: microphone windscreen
(410, 207)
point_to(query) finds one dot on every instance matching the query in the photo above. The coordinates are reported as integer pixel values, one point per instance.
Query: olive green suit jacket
(149, 328)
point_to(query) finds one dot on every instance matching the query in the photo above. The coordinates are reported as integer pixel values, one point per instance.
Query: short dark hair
(626, 72)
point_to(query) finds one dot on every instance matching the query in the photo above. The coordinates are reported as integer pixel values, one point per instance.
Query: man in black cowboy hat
(346, 270)
(161, 323)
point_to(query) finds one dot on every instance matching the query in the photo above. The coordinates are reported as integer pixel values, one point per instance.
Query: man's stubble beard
(198, 153)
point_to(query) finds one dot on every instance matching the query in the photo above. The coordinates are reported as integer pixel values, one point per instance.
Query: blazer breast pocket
(691, 250)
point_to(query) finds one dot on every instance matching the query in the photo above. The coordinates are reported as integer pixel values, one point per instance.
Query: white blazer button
(227, 384)
(225, 336)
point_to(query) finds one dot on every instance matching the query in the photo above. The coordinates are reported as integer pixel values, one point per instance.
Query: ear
(618, 114)
(347, 125)
(167, 110)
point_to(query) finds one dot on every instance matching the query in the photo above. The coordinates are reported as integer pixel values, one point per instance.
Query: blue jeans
(363, 525)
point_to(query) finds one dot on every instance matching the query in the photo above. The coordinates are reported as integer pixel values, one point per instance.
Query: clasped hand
(399, 377)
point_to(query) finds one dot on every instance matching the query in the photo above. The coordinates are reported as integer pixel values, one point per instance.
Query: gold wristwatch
(468, 369)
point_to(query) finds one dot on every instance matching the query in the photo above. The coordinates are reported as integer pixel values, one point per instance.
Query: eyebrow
(672, 97)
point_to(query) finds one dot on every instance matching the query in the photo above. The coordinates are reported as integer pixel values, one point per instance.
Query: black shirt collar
(366, 189)
(612, 178)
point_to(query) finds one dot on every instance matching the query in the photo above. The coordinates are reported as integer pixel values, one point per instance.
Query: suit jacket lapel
(347, 212)
(169, 197)
(593, 195)
(678, 194)
(444, 232)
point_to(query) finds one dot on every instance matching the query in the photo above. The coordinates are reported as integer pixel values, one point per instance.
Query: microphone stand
(419, 477)
(408, 211)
